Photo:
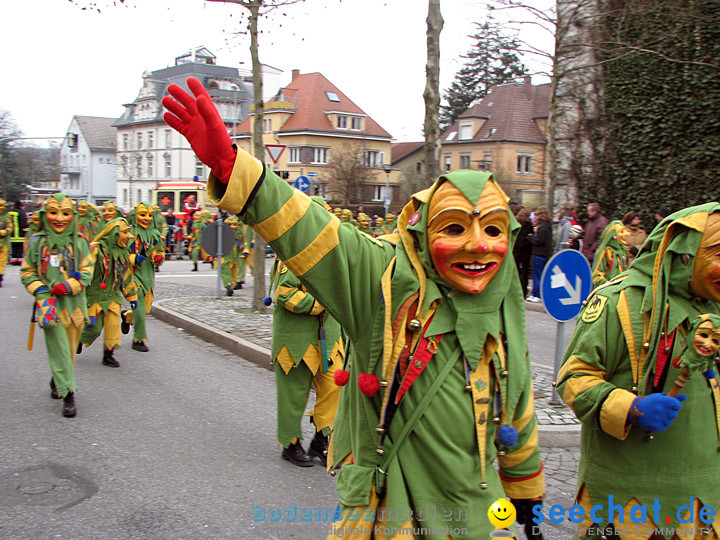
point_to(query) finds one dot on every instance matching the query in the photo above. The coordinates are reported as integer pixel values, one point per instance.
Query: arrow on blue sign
(565, 284)
(302, 183)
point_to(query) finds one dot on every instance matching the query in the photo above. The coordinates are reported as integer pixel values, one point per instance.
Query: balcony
(69, 169)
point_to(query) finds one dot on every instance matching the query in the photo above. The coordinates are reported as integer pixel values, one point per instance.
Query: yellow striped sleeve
(245, 174)
(527, 415)
(521, 454)
(323, 243)
(285, 218)
(614, 412)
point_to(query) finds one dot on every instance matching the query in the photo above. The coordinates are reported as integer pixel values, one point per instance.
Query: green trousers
(61, 344)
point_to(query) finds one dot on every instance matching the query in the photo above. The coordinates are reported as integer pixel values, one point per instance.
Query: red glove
(199, 122)
(61, 289)
(157, 259)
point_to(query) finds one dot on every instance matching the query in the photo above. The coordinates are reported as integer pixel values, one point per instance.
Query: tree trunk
(431, 94)
(258, 151)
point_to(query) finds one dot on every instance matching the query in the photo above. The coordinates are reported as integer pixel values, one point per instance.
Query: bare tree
(431, 94)
(347, 171)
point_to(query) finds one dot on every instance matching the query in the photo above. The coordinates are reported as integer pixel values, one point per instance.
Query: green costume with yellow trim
(53, 258)
(611, 256)
(367, 285)
(5, 228)
(624, 345)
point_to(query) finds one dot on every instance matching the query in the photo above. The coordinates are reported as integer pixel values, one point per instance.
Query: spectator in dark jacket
(541, 242)
(522, 248)
(593, 231)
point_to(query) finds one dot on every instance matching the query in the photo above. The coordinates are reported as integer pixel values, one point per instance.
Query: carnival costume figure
(639, 444)
(87, 219)
(229, 262)
(112, 281)
(56, 269)
(33, 227)
(109, 212)
(5, 228)
(611, 256)
(364, 224)
(146, 252)
(437, 383)
(194, 239)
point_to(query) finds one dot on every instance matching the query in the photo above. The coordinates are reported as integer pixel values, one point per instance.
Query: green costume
(611, 256)
(52, 259)
(112, 281)
(229, 263)
(624, 345)
(87, 220)
(473, 345)
(5, 228)
(146, 252)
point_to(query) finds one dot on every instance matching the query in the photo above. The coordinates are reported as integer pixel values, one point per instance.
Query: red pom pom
(368, 384)
(158, 259)
(103, 286)
(341, 377)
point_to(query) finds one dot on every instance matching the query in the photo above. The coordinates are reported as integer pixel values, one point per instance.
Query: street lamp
(386, 198)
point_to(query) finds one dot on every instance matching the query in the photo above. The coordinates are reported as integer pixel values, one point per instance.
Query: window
(466, 132)
(125, 141)
(139, 141)
(464, 161)
(342, 122)
(149, 165)
(320, 155)
(294, 154)
(357, 123)
(451, 136)
(124, 198)
(167, 138)
(167, 166)
(486, 164)
(491, 132)
(139, 195)
(373, 158)
(267, 125)
(199, 170)
(447, 162)
(377, 193)
(332, 96)
(138, 166)
(524, 164)
(151, 139)
(124, 164)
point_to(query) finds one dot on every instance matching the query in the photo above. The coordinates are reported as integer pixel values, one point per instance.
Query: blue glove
(139, 258)
(133, 304)
(655, 412)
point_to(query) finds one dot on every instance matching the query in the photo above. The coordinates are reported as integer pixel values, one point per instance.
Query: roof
(308, 94)
(98, 132)
(511, 110)
(402, 150)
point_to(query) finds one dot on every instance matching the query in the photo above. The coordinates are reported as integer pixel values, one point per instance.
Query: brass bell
(667, 350)
(383, 383)
(646, 345)
(496, 419)
(634, 389)
(501, 453)
(414, 325)
(468, 388)
(417, 364)
(554, 384)
(651, 438)
(483, 485)
(380, 452)
(380, 430)
(476, 211)
(504, 373)
(332, 473)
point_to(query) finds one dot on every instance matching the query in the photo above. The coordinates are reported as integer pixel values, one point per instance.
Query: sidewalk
(228, 322)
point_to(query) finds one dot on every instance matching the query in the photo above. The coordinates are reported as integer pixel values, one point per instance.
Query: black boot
(124, 324)
(238, 285)
(228, 291)
(109, 359)
(319, 447)
(69, 409)
(194, 268)
(79, 349)
(296, 455)
(140, 346)
(53, 389)
(1, 278)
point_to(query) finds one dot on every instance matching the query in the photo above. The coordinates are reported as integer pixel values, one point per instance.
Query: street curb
(249, 351)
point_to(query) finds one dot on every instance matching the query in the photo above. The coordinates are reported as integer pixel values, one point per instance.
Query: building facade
(148, 150)
(87, 160)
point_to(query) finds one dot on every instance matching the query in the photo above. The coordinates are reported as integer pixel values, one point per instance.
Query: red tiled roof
(308, 95)
(511, 109)
(402, 150)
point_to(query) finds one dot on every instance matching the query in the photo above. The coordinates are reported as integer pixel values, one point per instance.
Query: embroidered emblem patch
(432, 345)
(594, 309)
(282, 268)
(481, 385)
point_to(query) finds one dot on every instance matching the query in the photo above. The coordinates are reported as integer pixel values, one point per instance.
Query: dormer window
(342, 122)
(357, 123)
(466, 132)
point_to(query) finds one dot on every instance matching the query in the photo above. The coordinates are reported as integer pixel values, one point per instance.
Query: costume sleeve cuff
(234, 195)
(527, 487)
(614, 413)
(75, 285)
(37, 287)
(317, 308)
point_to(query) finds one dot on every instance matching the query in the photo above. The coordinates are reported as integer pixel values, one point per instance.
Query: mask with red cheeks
(59, 215)
(705, 280)
(468, 242)
(143, 216)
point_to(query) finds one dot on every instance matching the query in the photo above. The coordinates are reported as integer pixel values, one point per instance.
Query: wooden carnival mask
(705, 279)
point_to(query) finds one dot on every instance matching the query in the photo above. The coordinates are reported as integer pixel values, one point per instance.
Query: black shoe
(140, 346)
(229, 291)
(124, 324)
(194, 268)
(109, 359)
(296, 455)
(69, 409)
(1, 278)
(319, 447)
(238, 285)
(53, 389)
(79, 349)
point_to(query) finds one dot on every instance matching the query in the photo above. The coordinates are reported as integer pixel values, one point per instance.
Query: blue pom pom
(507, 435)
(267, 300)
(709, 373)
(77, 275)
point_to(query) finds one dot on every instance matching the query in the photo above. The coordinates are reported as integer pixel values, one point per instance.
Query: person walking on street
(612, 254)
(566, 220)
(636, 235)
(5, 228)
(541, 242)
(522, 250)
(593, 231)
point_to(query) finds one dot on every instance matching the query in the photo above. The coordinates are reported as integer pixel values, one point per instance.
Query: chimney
(295, 73)
(527, 88)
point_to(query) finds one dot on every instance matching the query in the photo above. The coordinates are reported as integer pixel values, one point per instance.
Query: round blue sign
(565, 284)
(302, 183)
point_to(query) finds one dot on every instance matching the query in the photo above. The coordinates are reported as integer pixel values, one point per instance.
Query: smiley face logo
(502, 513)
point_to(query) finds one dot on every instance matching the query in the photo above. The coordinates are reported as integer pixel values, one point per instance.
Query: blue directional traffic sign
(565, 284)
(302, 183)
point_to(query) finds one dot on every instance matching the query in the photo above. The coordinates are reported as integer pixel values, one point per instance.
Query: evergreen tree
(493, 59)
